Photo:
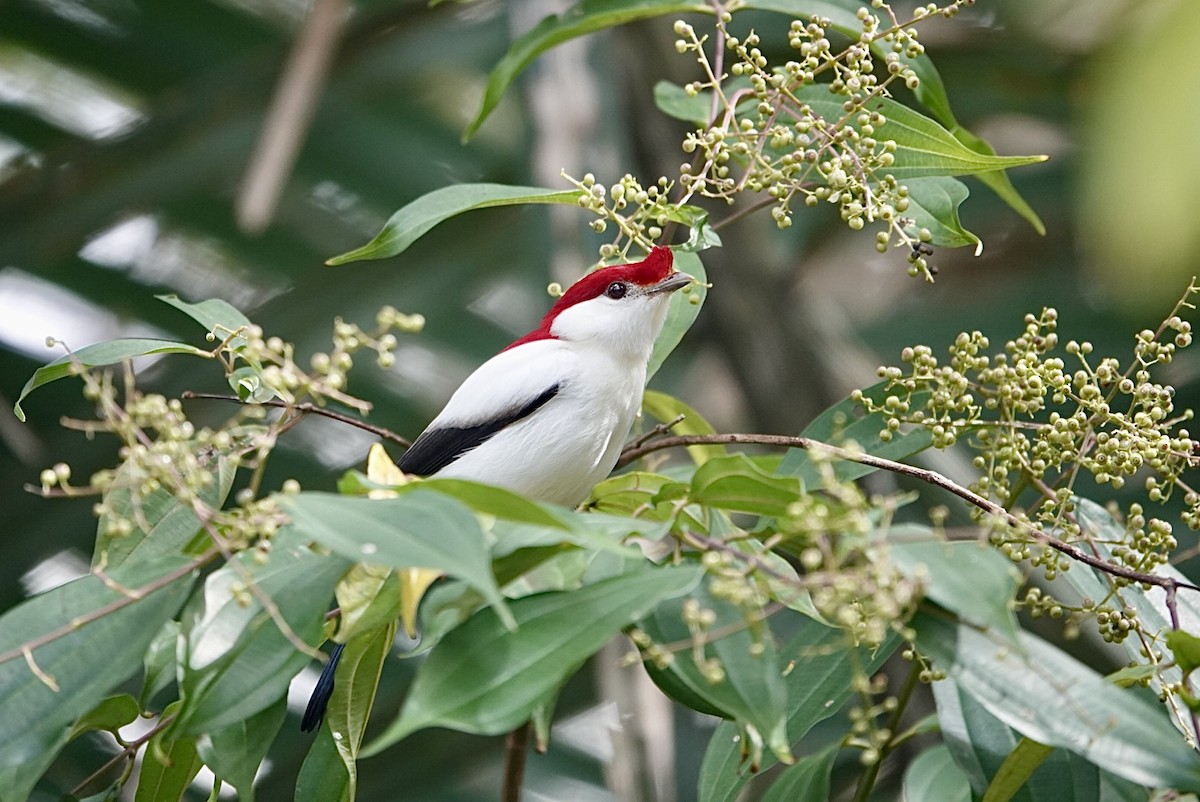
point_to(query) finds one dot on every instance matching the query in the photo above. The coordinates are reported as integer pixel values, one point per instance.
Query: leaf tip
(20, 413)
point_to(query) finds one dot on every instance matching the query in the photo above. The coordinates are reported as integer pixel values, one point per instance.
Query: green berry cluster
(264, 367)
(1040, 415)
(638, 214)
(164, 456)
(763, 137)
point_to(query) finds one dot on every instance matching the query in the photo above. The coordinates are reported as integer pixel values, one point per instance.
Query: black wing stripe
(437, 448)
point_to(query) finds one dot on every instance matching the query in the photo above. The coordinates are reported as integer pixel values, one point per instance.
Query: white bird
(547, 416)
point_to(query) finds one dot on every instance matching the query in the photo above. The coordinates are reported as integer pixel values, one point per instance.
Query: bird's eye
(616, 290)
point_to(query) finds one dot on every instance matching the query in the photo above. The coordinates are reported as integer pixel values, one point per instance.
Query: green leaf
(931, 93)
(736, 483)
(163, 524)
(1016, 770)
(408, 225)
(1050, 697)
(923, 147)
(933, 204)
(969, 578)
(1150, 606)
(673, 101)
(110, 715)
(483, 678)
(158, 665)
(497, 501)
(667, 408)
(330, 772)
(806, 781)
(216, 316)
(236, 660)
(818, 685)
(169, 765)
(998, 181)
(323, 775)
(701, 235)
(109, 352)
(582, 18)
(752, 691)
(650, 495)
(420, 529)
(1000, 764)
(234, 753)
(1185, 647)
(933, 775)
(841, 424)
(84, 665)
(684, 306)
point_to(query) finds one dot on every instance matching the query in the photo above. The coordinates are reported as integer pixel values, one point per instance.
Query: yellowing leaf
(413, 584)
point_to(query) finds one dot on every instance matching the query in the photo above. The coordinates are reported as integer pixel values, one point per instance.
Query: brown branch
(516, 747)
(307, 408)
(26, 649)
(921, 474)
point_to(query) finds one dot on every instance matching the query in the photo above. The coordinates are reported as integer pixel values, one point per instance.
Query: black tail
(319, 700)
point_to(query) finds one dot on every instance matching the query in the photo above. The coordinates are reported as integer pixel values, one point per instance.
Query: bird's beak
(670, 283)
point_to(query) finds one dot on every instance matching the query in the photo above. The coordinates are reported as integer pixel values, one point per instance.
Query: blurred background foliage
(128, 136)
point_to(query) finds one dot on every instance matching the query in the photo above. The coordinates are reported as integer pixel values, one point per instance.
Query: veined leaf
(818, 684)
(169, 765)
(968, 578)
(923, 147)
(170, 523)
(933, 204)
(110, 715)
(933, 775)
(110, 352)
(736, 483)
(351, 705)
(408, 225)
(483, 678)
(752, 690)
(235, 752)
(582, 18)
(1048, 696)
(1150, 605)
(76, 671)
(682, 311)
(217, 317)
(841, 424)
(806, 781)
(420, 529)
(236, 660)
(997, 182)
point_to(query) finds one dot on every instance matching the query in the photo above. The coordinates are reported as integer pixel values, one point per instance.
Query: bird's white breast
(565, 447)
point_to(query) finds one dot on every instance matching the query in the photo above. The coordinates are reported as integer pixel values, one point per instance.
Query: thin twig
(307, 408)
(660, 429)
(867, 781)
(929, 477)
(80, 621)
(127, 752)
